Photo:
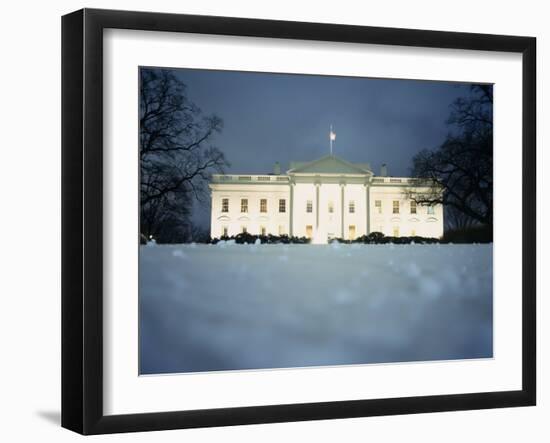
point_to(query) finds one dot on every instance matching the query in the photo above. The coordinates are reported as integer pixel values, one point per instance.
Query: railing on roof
(220, 178)
(403, 180)
(230, 178)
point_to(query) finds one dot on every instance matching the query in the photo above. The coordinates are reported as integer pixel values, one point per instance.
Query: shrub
(377, 238)
(477, 234)
(247, 238)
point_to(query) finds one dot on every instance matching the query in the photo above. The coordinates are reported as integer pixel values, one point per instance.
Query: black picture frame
(82, 218)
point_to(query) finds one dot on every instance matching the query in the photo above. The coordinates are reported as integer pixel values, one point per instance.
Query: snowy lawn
(228, 307)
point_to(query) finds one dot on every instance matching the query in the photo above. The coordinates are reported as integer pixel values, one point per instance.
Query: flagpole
(330, 137)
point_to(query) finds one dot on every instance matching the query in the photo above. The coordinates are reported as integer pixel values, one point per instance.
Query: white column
(317, 185)
(291, 211)
(367, 192)
(342, 187)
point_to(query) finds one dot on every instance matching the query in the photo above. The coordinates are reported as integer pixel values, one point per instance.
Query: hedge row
(377, 238)
(471, 235)
(246, 238)
(374, 238)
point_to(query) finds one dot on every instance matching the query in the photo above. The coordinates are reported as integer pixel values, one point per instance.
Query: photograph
(294, 221)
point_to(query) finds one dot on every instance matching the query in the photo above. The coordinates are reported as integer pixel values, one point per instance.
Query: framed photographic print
(269, 221)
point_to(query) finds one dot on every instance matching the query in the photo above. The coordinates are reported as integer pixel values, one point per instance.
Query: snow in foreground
(227, 307)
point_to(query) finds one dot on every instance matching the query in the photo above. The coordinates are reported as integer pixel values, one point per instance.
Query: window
(396, 231)
(413, 233)
(378, 206)
(244, 230)
(263, 205)
(351, 230)
(431, 210)
(396, 206)
(281, 230)
(309, 231)
(352, 207)
(224, 231)
(413, 207)
(330, 207)
(309, 206)
(225, 205)
(244, 205)
(262, 230)
(282, 205)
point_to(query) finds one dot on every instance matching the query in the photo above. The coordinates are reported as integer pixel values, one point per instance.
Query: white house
(323, 199)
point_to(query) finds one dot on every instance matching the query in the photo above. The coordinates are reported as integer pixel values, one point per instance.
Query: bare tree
(176, 154)
(457, 220)
(200, 234)
(462, 167)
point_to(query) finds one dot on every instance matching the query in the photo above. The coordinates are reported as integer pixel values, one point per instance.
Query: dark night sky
(285, 117)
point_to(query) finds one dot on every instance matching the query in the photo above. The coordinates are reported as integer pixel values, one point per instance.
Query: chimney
(277, 169)
(383, 170)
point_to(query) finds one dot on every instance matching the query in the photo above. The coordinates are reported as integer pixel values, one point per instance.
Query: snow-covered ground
(230, 307)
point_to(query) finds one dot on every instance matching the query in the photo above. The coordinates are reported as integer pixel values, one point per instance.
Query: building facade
(323, 199)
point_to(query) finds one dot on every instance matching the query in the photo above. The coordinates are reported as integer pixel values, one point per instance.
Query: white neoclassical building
(323, 199)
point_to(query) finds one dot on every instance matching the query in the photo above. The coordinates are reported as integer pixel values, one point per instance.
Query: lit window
(396, 206)
(281, 230)
(243, 229)
(244, 205)
(309, 206)
(262, 230)
(282, 205)
(352, 207)
(378, 206)
(330, 207)
(263, 205)
(430, 210)
(396, 231)
(351, 232)
(225, 205)
(413, 233)
(224, 231)
(413, 207)
(309, 231)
